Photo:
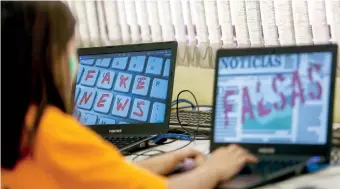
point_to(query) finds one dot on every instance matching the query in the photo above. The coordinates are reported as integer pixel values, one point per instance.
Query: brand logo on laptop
(266, 150)
(115, 130)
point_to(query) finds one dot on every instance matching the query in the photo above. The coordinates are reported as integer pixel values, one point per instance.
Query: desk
(201, 145)
(329, 177)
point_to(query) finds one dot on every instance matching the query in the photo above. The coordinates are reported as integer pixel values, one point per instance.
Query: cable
(173, 140)
(198, 114)
(145, 153)
(182, 100)
(185, 107)
(193, 134)
(200, 135)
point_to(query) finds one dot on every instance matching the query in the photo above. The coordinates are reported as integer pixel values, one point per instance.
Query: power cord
(146, 153)
(198, 113)
(190, 133)
(173, 140)
(183, 100)
(193, 108)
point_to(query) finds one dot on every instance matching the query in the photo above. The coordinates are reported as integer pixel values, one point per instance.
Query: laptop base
(129, 144)
(245, 181)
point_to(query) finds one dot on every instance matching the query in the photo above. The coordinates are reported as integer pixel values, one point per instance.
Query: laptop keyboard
(122, 90)
(268, 166)
(121, 142)
(189, 118)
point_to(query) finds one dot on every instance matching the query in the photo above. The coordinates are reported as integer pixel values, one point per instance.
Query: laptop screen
(122, 88)
(277, 99)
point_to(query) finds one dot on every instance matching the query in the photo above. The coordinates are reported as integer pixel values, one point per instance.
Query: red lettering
(261, 109)
(123, 81)
(120, 106)
(315, 96)
(101, 101)
(141, 83)
(247, 106)
(140, 113)
(227, 107)
(282, 96)
(106, 78)
(297, 83)
(89, 74)
(258, 86)
(85, 98)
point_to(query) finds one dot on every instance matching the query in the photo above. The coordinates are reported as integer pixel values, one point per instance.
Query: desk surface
(201, 145)
(329, 177)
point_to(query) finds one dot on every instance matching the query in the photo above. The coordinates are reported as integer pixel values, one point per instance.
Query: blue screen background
(249, 115)
(122, 88)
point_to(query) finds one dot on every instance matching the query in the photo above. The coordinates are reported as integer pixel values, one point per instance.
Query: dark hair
(34, 38)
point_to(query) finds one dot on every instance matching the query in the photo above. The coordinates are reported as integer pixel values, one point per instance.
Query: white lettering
(266, 150)
(115, 131)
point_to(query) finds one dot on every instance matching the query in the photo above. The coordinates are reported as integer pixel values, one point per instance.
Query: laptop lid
(126, 89)
(275, 100)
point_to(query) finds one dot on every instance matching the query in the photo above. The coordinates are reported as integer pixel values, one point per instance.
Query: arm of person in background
(220, 165)
(165, 163)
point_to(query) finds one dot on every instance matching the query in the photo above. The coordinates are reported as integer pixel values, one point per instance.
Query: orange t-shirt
(69, 155)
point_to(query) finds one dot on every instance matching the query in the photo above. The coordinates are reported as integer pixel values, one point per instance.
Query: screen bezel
(137, 128)
(291, 149)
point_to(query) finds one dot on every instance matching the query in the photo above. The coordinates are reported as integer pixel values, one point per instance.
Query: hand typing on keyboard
(222, 164)
(228, 161)
(122, 89)
(167, 163)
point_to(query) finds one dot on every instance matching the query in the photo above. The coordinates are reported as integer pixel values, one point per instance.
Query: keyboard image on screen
(122, 88)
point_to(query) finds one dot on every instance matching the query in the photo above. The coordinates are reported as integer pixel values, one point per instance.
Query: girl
(43, 146)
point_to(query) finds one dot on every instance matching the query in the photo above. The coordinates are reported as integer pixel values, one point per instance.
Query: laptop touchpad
(242, 181)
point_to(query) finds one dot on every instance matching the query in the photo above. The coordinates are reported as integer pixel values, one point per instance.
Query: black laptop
(124, 92)
(277, 103)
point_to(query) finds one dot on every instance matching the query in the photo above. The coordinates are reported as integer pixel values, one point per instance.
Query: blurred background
(203, 26)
